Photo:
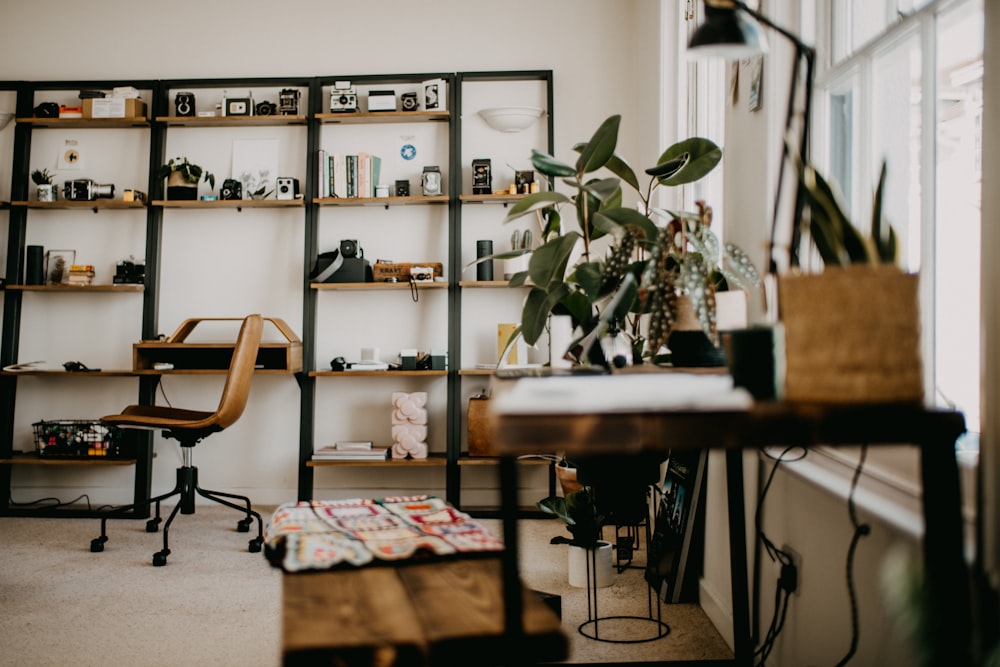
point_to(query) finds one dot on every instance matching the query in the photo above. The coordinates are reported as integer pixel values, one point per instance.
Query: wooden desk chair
(189, 427)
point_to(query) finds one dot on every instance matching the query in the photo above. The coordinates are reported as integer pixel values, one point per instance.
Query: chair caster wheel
(255, 545)
(152, 525)
(243, 525)
(97, 544)
(160, 558)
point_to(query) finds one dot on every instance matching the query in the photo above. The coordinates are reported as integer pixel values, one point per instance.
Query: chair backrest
(237, 388)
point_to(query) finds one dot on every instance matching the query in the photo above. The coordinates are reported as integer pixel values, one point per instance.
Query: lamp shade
(727, 33)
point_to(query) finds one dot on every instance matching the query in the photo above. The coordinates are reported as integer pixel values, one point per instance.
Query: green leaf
(548, 261)
(519, 279)
(600, 148)
(738, 269)
(603, 188)
(549, 165)
(537, 306)
(577, 305)
(611, 219)
(588, 277)
(617, 165)
(702, 157)
(509, 254)
(536, 201)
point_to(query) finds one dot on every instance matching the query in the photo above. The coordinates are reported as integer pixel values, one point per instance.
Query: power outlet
(791, 576)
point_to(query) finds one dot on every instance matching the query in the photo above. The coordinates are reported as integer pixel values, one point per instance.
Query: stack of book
(348, 175)
(351, 450)
(80, 274)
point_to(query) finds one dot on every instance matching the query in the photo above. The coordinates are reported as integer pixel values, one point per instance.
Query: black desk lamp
(731, 31)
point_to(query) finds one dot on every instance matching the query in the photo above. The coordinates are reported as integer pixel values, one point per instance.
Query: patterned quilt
(325, 534)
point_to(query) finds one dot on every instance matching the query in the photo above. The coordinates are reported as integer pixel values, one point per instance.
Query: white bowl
(510, 119)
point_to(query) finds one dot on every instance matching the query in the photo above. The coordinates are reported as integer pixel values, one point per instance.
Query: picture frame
(57, 263)
(435, 95)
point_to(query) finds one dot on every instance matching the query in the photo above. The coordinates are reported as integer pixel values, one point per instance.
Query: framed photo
(435, 95)
(57, 263)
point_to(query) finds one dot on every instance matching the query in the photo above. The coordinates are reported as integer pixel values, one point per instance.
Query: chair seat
(161, 417)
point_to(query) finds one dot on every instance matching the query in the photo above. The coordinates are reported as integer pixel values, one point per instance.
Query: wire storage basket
(80, 439)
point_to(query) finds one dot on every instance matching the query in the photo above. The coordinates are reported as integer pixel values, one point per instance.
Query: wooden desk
(933, 431)
(422, 614)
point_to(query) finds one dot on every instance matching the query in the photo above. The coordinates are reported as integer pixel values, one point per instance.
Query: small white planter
(47, 192)
(577, 565)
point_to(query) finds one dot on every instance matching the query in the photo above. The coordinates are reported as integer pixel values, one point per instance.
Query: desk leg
(945, 571)
(513, 601)
(738, 557)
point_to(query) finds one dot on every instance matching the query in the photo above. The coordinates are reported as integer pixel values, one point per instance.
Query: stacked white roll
(409, 425)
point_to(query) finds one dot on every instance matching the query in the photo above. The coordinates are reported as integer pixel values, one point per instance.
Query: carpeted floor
(216, 604)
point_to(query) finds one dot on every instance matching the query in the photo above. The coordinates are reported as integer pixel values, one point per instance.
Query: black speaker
(484, 270)
(34, 271)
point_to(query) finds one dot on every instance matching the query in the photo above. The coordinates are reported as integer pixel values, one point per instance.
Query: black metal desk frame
(934, 432)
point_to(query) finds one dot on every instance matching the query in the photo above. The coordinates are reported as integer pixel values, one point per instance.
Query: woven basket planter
(852, 335)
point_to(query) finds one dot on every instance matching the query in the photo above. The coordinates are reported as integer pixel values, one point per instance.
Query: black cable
(781, 593)
(860, 530)
(50, 502)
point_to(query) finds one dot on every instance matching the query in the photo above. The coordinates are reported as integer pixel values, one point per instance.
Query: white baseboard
(720, 616)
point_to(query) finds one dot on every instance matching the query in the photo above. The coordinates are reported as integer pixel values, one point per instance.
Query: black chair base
(186, 489)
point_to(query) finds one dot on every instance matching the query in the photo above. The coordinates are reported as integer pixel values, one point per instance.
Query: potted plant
(183, 177)
(852, 331)
(579, 512)
(46, 189)
(664, 270)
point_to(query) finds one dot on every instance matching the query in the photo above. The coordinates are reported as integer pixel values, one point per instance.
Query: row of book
(348, 175)
(351, 450)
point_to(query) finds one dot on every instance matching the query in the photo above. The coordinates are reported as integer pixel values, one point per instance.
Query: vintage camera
(482, 177)
(84, 189)
(266, 109)
(409, 102)
(430, 181)
(46, 110)
(239, 106)
(129, 273)
(184, 104)
(402, 188)
(421, 274)
(288, 101)
(286, 188)
(343, 97)
(231, 189)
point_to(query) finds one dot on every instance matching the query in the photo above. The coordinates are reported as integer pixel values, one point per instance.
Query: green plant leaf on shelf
(601, 146)
(548, 262)
(550, 166)
(534, 202)
(699, 157)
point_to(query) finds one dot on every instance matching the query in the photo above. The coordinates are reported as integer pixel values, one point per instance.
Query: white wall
(603, 56)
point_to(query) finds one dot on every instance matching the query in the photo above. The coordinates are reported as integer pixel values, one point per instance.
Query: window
(903, 83)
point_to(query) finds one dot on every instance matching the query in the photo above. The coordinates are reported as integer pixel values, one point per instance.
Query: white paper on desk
(622, 393)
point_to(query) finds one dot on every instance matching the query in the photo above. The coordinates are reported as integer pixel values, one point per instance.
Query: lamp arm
(799, 44)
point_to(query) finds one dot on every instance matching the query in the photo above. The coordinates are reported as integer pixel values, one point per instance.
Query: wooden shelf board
(360, 117)
(434, 460)
(138, 121)
(381, 201)
(232, 121)
(476, 371)
(124, 287)
(31, 458)
(386, 373)
(376, 286)
(96, 205)
(229, 203)
(503, 198)
(61, 373)
(215, 371)
(486, 283)
(466, 460)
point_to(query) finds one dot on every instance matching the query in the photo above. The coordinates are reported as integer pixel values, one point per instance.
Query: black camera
(129, 273)
(287, 187)
(288, 101)
(482, 178)
(402, 188)
(409, 102)
(46, 110)
(184, 104)
(266, 109)
(231, 189)
(348, 248)
(84, 189)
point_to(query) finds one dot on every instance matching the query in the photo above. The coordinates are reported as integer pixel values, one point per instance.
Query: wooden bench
(448, 612)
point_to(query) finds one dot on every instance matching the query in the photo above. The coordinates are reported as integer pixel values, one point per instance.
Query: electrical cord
(860, 530)
(787, 581)
(51, 502)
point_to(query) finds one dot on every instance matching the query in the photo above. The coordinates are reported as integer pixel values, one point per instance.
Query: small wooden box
(382, 271)
(113, 107)
(480, 435)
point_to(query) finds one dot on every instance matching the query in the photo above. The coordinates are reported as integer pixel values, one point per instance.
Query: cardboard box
(401, 271)
(114, 107)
